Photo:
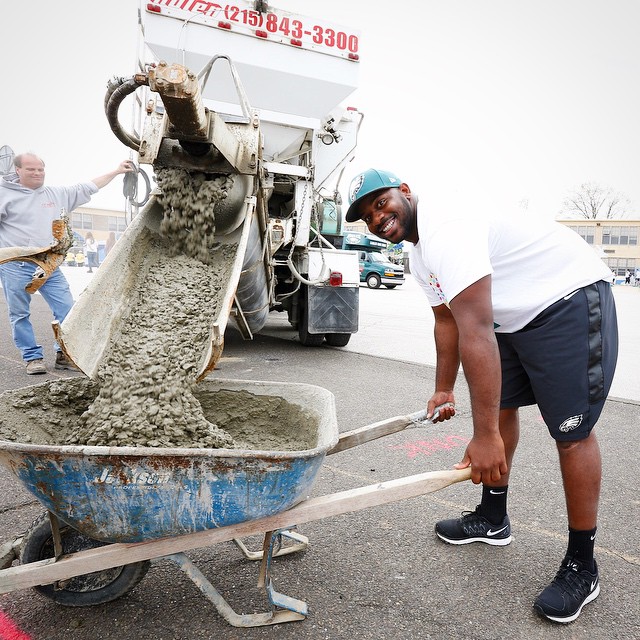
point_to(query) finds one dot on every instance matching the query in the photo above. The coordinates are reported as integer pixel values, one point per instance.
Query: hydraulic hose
(112, 85)
(117, 91)
(323, 276)
(130, 187)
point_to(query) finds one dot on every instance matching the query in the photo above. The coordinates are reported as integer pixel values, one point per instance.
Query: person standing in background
(27, 211)
(111, 240)
(91, 251)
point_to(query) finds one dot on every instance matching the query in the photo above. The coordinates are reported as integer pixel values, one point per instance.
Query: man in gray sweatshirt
(27, 211)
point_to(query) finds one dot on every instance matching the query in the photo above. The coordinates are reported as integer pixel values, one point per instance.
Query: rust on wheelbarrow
(131, 494)
(271, 473)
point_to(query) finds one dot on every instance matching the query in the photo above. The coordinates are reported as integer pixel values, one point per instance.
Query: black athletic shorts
(564, 361)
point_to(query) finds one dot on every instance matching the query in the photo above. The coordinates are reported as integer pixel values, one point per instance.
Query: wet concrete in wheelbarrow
(51, 414)
(378, 573)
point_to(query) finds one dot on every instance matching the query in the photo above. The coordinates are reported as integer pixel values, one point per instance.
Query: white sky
(493, 103)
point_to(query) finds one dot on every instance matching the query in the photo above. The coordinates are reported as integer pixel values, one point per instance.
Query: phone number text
(273, 23)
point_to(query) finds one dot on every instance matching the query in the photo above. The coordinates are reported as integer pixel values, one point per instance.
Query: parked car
(376, 269)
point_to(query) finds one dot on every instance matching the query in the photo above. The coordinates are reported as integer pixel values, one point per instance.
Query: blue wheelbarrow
(110, 510)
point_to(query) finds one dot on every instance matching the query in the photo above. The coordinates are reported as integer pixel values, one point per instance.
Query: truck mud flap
(333, 309)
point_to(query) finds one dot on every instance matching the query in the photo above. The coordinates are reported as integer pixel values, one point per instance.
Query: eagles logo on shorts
(571, 423)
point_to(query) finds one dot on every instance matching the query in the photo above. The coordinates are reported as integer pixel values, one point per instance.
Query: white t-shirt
(532, 263)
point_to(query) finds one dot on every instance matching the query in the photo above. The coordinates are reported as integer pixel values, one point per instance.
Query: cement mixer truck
(239, 110)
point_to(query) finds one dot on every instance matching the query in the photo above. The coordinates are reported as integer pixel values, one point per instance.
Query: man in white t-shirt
(526, 307)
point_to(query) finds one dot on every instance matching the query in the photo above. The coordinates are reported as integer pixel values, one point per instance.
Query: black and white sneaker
(472, 527)
(571, 589)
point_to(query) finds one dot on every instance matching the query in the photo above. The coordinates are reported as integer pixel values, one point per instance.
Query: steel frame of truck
(252, 71)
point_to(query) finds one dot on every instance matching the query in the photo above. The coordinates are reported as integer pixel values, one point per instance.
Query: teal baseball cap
(365, 183)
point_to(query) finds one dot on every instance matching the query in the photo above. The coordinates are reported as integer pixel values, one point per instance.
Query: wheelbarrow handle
(376, 430)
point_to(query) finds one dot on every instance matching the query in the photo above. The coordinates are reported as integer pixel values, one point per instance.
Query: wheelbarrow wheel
(84, 590)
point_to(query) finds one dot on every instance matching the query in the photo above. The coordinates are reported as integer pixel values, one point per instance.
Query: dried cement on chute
(146, 379)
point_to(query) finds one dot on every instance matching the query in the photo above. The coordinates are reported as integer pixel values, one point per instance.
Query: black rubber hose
(112, 85)
(130, 187)
(115, 96)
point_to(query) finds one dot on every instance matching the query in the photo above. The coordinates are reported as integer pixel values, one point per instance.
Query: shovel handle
(377, 430)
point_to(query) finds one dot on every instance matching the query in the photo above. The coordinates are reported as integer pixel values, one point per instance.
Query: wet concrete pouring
(144, 392)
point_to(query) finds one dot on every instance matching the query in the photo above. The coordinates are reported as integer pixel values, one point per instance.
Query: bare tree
(592, 201)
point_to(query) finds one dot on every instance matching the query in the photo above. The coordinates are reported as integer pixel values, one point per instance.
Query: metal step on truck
(239, 110)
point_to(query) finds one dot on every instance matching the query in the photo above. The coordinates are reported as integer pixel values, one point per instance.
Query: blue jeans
(15, 276)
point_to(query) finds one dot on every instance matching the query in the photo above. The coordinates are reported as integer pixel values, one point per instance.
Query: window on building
(620, 235)
(620, 265)
(117, 223)
(585, 232)
(81, 220)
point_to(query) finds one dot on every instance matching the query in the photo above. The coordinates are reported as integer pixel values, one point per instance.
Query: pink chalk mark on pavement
(9, 631)
(429, 447)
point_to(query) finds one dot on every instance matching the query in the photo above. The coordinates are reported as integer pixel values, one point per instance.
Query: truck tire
(84, 590)
(373, 281)
(306, 338)
(338, 339)
(391, 286)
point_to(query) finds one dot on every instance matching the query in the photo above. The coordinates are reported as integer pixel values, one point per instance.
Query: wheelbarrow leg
(277, 599)
(54, 523)
(291, 609)
(10, 551)
(300, 543)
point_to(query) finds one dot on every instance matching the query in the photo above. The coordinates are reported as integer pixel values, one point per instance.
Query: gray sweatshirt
(26, 214)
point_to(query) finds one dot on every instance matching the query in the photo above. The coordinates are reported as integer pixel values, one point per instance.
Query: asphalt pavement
(377, 573)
